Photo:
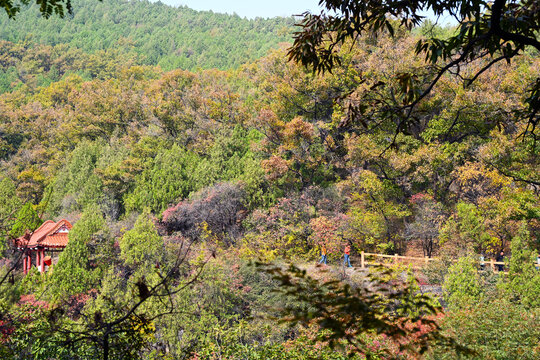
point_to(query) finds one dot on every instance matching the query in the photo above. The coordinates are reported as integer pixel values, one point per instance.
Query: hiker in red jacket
(347, 252)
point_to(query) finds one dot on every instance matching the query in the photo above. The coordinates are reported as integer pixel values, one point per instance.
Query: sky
(265, 8)
(251, 8)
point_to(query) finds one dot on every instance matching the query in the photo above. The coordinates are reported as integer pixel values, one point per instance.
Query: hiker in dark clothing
(500, 258)
(482, 262)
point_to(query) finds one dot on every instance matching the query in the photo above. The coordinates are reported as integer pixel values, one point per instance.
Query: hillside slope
(156, 33)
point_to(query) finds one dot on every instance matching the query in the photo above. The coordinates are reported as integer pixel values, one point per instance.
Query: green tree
(465, 231)
(497, 329)
(26, 219)
(462, 286)
(142, 246)
(168, 179)
(117, 31)
(9, 206)
(523, 279)
(74, 272)
(76, 185)
(375, 213)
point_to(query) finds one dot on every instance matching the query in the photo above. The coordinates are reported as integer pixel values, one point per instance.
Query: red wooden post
(42, 261)
(28, 262)
(24, 263)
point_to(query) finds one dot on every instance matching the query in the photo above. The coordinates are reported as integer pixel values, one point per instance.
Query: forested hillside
(145, 32)
(178, 181)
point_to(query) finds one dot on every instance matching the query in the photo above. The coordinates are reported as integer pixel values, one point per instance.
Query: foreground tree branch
(501, 29)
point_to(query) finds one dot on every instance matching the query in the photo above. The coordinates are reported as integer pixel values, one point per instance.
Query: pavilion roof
(49, 234)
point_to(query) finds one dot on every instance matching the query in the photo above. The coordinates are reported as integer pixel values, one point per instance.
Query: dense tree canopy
(487, 32)
(143, 32)
(177, 180)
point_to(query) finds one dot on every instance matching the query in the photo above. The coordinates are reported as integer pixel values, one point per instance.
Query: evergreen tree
(523, 279)
(74, 273)
(150, 33)
(462, 284)
(142, 246)
(170, 178)
(76, 185)
(26, 219)
(9, 205)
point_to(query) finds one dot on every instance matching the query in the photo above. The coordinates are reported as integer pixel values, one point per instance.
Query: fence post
(362, 260)
(492, 264)
(395, 258)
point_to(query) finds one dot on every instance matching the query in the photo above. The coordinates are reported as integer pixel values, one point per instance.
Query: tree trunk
(106, 346)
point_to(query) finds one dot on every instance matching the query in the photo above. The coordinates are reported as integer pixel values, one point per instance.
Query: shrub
(220, 207)
(496, 330)
(75, 272)
(523, 279)
(142, 246)
(462, 284)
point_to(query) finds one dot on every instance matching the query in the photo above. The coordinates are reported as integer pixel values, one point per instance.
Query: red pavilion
(44, 244)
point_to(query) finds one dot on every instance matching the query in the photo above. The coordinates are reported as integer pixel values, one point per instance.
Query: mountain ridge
(158, 34)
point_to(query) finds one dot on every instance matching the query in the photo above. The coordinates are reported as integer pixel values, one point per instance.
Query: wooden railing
(390, 260)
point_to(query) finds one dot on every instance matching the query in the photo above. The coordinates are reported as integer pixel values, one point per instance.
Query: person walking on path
(482, 262)
(500, 258)
(346, 258)
(323, 254)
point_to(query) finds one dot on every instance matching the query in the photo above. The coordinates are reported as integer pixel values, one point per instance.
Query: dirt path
(355, 274)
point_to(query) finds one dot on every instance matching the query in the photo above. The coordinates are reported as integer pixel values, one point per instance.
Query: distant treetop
(153, 33)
